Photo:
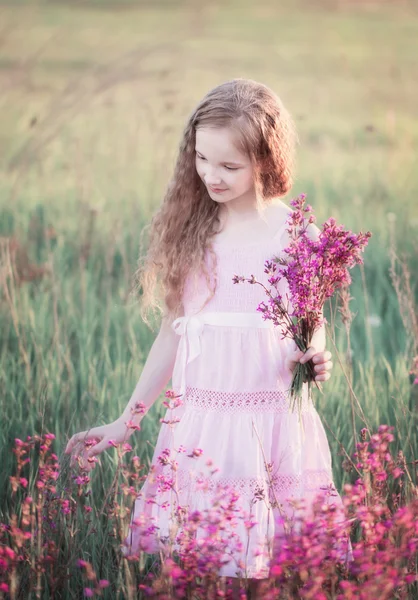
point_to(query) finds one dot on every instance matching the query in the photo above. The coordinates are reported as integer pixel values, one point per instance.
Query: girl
(222, 215)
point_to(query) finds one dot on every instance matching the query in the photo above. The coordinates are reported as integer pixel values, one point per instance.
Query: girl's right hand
(116, 432)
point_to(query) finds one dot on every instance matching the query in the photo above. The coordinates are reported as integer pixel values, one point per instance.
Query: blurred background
(94, 97)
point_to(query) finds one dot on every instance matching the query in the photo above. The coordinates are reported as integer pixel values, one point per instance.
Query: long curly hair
(180, 231)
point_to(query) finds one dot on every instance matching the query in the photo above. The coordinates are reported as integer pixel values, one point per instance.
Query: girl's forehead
(219, 140)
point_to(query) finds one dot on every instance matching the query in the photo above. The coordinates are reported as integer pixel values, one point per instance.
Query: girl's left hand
(321, 360)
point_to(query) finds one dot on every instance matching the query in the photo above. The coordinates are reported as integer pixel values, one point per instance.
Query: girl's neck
(240, 212)
(248, 224)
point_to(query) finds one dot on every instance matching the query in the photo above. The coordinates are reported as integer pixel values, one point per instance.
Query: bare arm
(156, 373)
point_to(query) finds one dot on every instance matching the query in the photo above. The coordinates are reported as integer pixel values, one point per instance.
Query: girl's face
(226, 172)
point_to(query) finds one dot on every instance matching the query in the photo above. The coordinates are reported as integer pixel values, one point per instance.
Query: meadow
(94, 96)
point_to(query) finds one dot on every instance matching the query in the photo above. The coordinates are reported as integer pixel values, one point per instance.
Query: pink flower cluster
(316, 268)
(90, 575)
(313, 270)
(311, 558)
(381, 518)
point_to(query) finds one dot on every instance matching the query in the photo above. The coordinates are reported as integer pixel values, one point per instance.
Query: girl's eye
(229, 168)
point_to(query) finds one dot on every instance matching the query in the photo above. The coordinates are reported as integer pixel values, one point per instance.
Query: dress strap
(281, 229)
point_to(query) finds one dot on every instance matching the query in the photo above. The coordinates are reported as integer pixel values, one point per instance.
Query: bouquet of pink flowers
(314, 270)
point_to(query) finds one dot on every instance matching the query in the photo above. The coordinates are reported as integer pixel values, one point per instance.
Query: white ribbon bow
(190, 328)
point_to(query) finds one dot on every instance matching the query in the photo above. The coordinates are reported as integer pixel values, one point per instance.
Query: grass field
(94, 96)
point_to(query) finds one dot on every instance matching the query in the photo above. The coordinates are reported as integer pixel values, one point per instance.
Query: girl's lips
(216, 190)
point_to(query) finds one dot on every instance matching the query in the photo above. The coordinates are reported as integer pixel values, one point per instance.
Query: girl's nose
(213, 182)
(211, 178)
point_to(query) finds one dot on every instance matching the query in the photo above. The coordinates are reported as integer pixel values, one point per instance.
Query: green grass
(95, 98)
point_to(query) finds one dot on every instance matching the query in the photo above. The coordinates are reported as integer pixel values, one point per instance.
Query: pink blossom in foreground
(381, 517)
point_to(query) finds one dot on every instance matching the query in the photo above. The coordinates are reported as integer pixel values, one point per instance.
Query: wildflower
(313, 270)
(81, 480)
(250, 523)
(132, 425)
(164, 457)
(81, 563)
(139, 408)
(196, 452)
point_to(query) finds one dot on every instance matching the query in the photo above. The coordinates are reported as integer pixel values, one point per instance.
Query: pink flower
(176, 572)
(81, 563)
(196, 452)
(315, 267)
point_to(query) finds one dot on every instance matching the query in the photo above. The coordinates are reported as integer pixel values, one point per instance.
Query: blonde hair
(181, 229)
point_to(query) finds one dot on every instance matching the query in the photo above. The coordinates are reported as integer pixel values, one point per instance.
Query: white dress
(230, 371)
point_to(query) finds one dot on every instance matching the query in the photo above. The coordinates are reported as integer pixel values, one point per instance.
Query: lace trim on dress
(258, 488)
(229, 402)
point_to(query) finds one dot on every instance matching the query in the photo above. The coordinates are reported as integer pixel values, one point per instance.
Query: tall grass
(93, 107)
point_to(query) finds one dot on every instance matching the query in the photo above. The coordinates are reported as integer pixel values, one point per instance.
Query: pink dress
(230, 370)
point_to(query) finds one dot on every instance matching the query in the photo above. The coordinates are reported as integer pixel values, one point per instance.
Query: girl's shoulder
(279, 212)
(277, 215)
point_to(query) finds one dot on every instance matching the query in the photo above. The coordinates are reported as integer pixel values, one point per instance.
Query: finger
(310, 352)
(73, 441)
(293, 358)
(97, 448)
(82, 437)
(74, 458)
(295, 354)
(323, 376)
(84, 462)
(323, 367)
(322, 357)
(80, 453)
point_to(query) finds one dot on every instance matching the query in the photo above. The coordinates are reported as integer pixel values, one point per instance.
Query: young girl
(221, 216)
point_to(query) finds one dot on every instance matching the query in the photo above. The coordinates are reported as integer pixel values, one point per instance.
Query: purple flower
(314, 269)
